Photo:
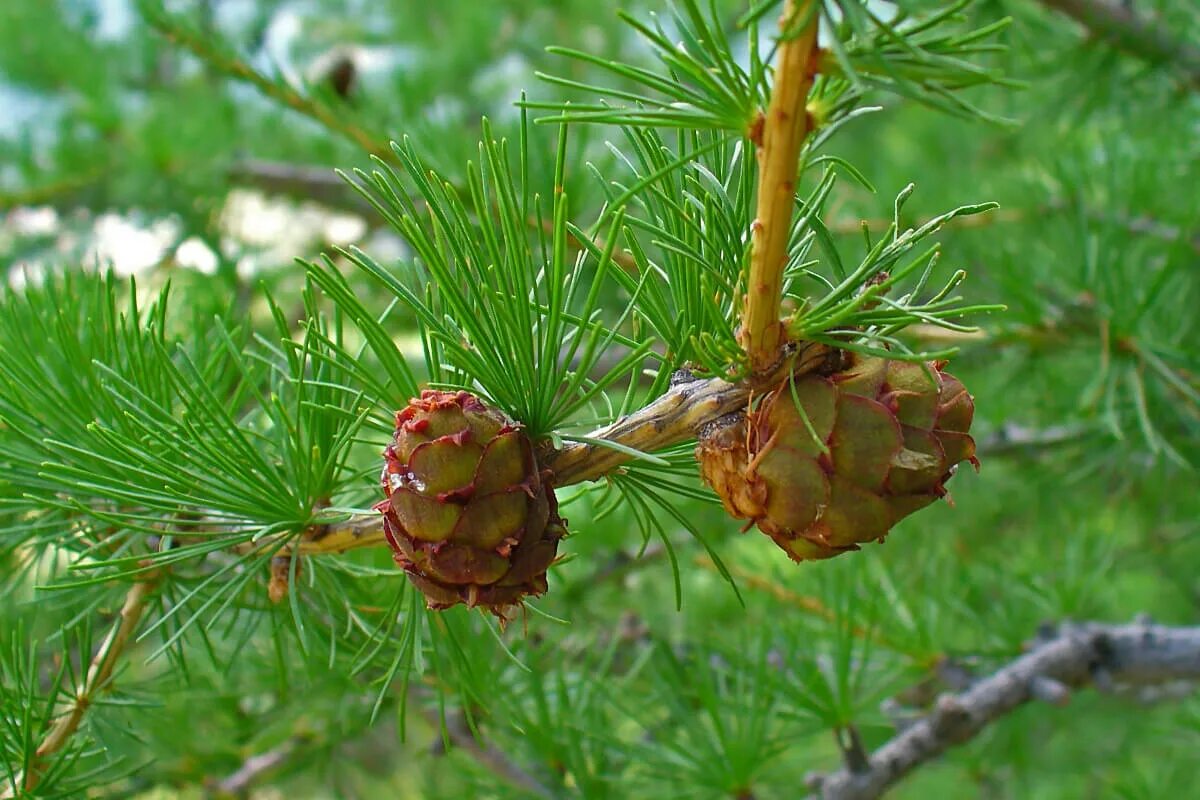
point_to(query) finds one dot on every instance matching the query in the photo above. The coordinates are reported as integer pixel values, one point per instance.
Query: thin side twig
(98, 675)
(811, 605)
(1139, 225)
(256, 767)
(302, 182)
(61, 192)
(228, 64)
(323, 185)
(458, 734)
(1135, 656)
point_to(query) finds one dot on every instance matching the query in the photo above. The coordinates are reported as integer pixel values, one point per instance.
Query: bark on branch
(1135, 656)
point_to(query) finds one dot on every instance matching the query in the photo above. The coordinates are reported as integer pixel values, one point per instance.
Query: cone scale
(826, 463)
(468, 513)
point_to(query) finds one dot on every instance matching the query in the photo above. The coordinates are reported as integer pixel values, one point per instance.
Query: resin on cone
(468, 514)
(827, 462)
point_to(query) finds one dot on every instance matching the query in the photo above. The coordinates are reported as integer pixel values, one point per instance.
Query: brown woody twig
(98, 676)
(671, 419)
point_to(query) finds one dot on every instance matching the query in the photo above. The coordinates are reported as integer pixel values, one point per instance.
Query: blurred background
(205, 156)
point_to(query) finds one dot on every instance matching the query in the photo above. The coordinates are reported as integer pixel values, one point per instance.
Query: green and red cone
(827, 462)
(469, 515)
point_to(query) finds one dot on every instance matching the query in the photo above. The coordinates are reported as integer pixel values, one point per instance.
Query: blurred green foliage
(1087, 392)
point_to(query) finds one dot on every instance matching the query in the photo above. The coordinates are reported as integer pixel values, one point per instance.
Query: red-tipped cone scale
(468, 514)
(827, 462)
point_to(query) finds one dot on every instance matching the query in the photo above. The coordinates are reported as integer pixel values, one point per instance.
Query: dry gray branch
(1118, 658)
